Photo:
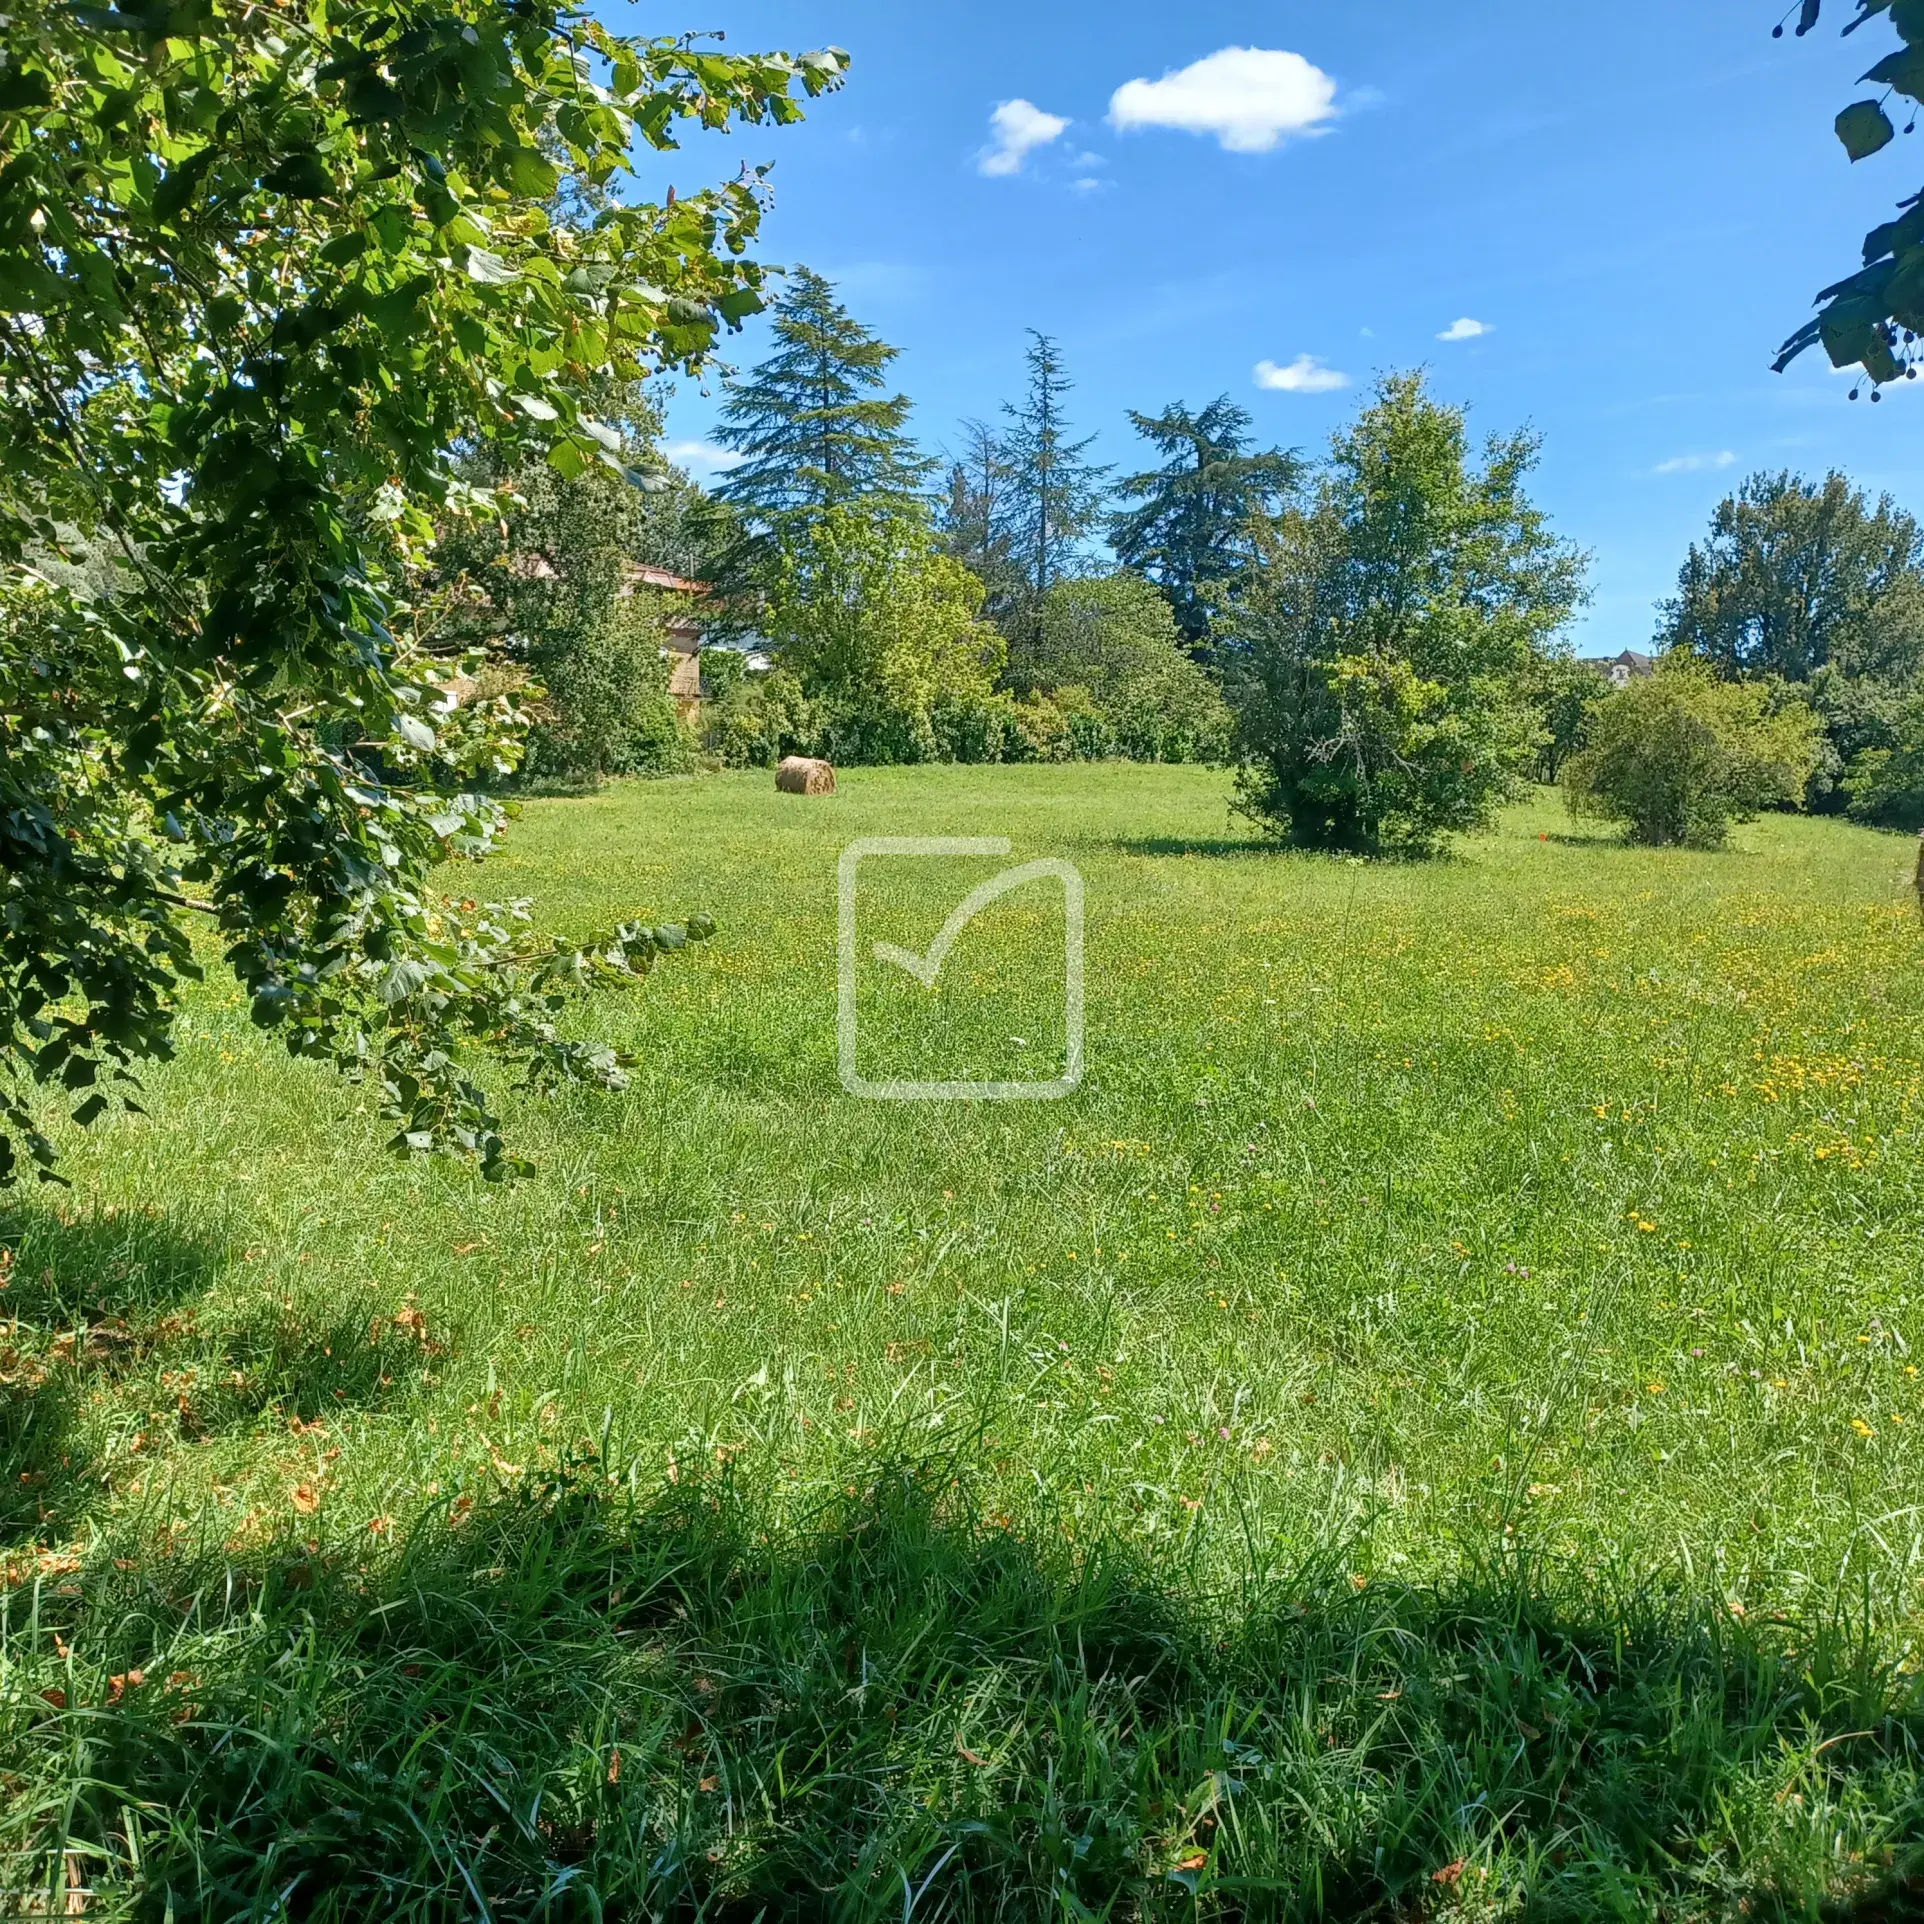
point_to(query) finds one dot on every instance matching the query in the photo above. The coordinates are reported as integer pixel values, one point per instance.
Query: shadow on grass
(569, 1704)
(105, 1320)
(1212, 845)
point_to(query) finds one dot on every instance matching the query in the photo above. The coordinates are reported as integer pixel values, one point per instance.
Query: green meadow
(1428, 1428)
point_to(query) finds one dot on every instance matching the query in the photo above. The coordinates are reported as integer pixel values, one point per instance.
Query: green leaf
(91, 1111)
(344, 249)
(530, 173)
(489, 269)
(371, 99)
(1864, 128)
(403, 980)
(393, 226)
(301, 175)
(1895, 236)
(1903, 70)
(396, 313)
(174, 192)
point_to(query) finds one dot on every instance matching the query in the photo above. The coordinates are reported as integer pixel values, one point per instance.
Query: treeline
(1377, 640)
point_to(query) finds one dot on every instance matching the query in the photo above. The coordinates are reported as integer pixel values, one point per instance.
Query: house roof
(642, 574)
(537, 567)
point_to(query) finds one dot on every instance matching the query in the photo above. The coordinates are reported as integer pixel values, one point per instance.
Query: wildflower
(1861, 1427)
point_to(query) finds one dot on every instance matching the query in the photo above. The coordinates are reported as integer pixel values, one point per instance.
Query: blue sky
(1635, 203)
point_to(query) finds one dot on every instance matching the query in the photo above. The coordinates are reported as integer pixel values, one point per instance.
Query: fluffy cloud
(1250, 98)
(1696, 463)
(1304, 375)
(1464, 330)
(702, 459)
(1017, 128)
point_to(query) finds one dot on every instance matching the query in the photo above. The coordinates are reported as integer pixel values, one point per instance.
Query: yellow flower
(1861, 1427)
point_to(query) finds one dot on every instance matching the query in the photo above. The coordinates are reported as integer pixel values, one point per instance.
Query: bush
(1678, 757)
(607, 709)
(1138, 693)
(723, 671)
(764, 718)
(880, 629)
(1886, 785)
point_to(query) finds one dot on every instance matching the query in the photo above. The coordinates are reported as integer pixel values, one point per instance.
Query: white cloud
(701, 458)
(1696, 463)
(1465, 330)
(1251, 98)
(1019, 127)
(1304, 375)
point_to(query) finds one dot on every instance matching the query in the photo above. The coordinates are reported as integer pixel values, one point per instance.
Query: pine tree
(1190, 533)
(1055, 493)
(814, 420)
(975, 519)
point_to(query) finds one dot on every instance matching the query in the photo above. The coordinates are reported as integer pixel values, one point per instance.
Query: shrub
(723, 671)
(880, 629)
(1114, 640)
(607, 709)
(1886, 785)
(1678, 757)
(763, 719)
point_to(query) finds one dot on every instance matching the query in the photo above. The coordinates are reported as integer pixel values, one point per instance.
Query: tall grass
(1428, 1429)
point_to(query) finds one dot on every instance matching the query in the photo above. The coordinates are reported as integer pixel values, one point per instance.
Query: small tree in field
(1678, 757)
(1563, 693)
(1381, 640)
(1116, 638)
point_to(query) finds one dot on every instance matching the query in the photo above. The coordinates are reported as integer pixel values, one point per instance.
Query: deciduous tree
(264, 268)
(1386, 629)
(1679, 755)
(1812, 583)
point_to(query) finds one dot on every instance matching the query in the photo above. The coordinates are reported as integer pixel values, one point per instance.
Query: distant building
(681, 636)
(681, 631)
(1621, 670)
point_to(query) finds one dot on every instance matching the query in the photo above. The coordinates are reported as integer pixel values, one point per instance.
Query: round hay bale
(803, 775)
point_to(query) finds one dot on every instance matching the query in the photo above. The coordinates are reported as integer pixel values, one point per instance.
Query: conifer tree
(815, 421)
(1189, 531)
(1055, 492)
(975, 519)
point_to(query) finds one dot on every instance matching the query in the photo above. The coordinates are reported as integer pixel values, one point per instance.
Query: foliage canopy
(264, 269)
(1872, 318)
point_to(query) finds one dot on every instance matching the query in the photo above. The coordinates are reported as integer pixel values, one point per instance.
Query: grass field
(1429, 1428)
